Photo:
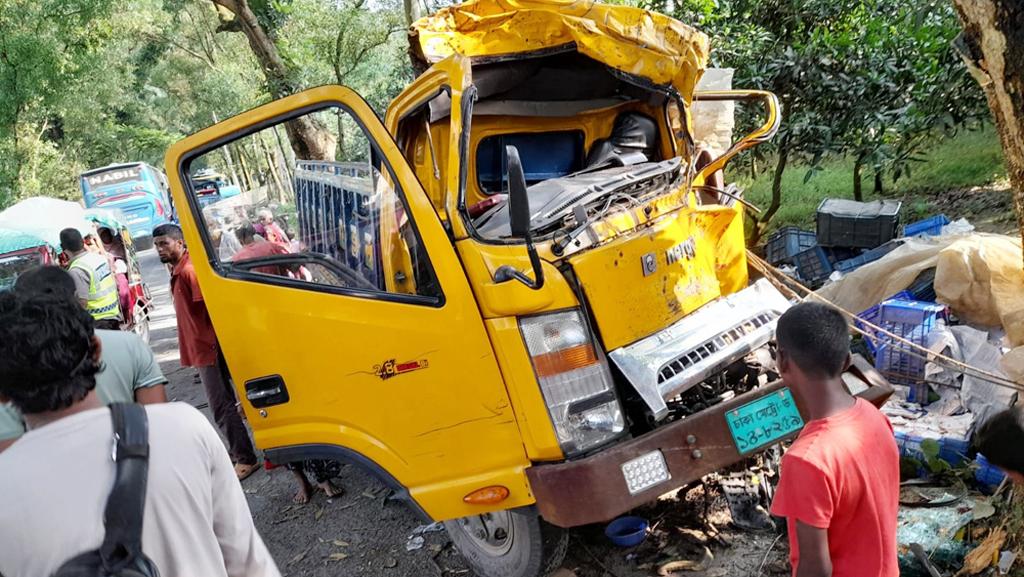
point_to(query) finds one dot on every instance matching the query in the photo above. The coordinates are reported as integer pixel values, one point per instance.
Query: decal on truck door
(390, 368)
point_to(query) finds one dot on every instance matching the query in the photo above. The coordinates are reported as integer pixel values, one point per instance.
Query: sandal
(243, 471)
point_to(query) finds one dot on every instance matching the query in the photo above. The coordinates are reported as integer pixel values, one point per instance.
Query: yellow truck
(521, 301)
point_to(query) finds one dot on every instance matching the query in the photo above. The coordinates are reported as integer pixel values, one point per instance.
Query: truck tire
(513, 543)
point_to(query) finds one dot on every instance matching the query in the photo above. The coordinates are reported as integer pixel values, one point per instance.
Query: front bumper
(593, 489)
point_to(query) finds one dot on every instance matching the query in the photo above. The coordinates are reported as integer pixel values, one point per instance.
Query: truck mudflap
(594, 489)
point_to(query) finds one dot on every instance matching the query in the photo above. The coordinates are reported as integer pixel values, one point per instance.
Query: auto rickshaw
(21, 251)
(136, 302)
(38, 222)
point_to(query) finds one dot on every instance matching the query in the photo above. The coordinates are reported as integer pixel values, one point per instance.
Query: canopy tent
(45, 217)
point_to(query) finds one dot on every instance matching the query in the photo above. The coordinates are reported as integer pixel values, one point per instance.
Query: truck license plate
(764, 421)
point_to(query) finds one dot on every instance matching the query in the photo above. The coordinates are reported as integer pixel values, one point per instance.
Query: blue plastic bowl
(627, 531)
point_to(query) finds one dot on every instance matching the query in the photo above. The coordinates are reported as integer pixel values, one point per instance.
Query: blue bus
(136, 189)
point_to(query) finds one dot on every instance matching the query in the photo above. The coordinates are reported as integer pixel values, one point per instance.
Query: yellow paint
(471, 415)
(635, 41)
(442, 431)
(628, 304)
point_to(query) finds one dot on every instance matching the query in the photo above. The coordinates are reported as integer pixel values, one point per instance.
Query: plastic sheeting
(981, 279)
(632, 40)
(979, 276)
(713, 121)
(45, 218)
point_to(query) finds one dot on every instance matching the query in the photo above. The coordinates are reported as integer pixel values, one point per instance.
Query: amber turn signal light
(487, 496)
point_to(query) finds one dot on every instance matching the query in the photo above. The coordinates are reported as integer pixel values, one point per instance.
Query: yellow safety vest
(103, 302)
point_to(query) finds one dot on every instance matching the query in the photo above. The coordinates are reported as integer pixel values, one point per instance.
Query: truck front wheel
(515, 543)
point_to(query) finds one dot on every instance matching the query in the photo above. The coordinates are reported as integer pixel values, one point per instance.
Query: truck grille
(713, 345)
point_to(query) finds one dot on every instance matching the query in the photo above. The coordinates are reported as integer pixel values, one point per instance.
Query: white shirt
(54, 483)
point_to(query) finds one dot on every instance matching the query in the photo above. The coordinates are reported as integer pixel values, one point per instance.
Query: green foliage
(967, 159)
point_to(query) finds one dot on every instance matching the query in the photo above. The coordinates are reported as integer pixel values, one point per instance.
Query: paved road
(362, 533)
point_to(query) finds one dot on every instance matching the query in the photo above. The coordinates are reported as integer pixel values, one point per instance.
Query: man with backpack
(195, 519)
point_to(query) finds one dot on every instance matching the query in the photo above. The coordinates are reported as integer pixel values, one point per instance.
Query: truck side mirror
(519, 223)
(518, 200)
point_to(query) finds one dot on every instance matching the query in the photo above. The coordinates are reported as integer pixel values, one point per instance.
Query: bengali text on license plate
(764, 421)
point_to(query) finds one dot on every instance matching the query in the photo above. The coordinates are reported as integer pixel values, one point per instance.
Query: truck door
(342, 310)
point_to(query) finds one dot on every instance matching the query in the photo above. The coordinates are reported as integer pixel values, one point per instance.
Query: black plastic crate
(923, 287)
(813, 266)
(852, 224)
(784, 243)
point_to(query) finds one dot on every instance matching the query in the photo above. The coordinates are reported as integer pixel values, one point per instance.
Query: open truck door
(359, 340)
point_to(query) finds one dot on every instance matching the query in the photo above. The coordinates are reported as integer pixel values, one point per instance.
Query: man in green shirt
(130, 371)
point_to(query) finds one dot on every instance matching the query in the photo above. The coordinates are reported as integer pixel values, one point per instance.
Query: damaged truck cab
(522, 300)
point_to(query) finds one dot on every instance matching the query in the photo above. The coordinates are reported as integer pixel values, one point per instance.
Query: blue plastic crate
(813, 266)
(785, 243)
(951, 450)
(987, 475)
(873, 315)
(929, 226)
(913, 321)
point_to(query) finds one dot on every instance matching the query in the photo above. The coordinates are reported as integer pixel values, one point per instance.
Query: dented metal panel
(635, 41)
(701, 344)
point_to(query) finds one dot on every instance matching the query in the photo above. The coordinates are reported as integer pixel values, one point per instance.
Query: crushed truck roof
(632, 40)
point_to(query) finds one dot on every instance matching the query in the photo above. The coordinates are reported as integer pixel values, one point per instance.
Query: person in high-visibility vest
(95, 285)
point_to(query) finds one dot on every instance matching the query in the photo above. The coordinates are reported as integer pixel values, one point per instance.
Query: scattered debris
(981, 557)
(415, 543)
(431, 528)
(337, 556)
(678, 566)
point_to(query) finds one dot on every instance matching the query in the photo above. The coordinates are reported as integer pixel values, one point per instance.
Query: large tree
(308, 139)
(993, 48)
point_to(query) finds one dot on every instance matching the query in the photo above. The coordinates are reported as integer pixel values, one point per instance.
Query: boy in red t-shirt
(839, 487)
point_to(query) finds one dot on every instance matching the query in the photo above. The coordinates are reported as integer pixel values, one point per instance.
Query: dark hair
(816, 337)
(71, 240)
(46, 280)
(171, 230)
(245, 233)
(1001, 440)
(47, 352)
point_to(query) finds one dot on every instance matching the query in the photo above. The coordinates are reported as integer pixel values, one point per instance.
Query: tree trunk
(994, 38)
(878, 183)
(780, 167)
(409, 8)
(226, 150)
(309, 140)
(858, 166)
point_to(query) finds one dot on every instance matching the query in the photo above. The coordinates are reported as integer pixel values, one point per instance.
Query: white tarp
(45, 218)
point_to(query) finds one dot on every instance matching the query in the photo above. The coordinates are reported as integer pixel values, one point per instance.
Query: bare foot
(302, 495)
(330, 489)
(243, 471)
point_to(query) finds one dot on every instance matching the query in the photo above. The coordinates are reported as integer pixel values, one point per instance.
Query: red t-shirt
(196, 339)
(843, 474)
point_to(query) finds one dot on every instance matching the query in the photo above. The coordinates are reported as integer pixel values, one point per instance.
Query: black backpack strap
(126, 504)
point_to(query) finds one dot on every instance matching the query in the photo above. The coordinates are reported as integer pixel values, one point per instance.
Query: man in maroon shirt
(198, 345)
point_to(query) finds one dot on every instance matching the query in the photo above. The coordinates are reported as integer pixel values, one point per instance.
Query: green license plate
(764, 421)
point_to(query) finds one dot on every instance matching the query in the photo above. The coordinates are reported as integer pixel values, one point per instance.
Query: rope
(791, 287)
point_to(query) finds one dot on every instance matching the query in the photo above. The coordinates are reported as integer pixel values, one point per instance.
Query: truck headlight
(576, 383)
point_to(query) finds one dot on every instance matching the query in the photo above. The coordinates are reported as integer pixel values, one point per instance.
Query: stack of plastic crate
(873, 315)
(912, 321)
(785, 243)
